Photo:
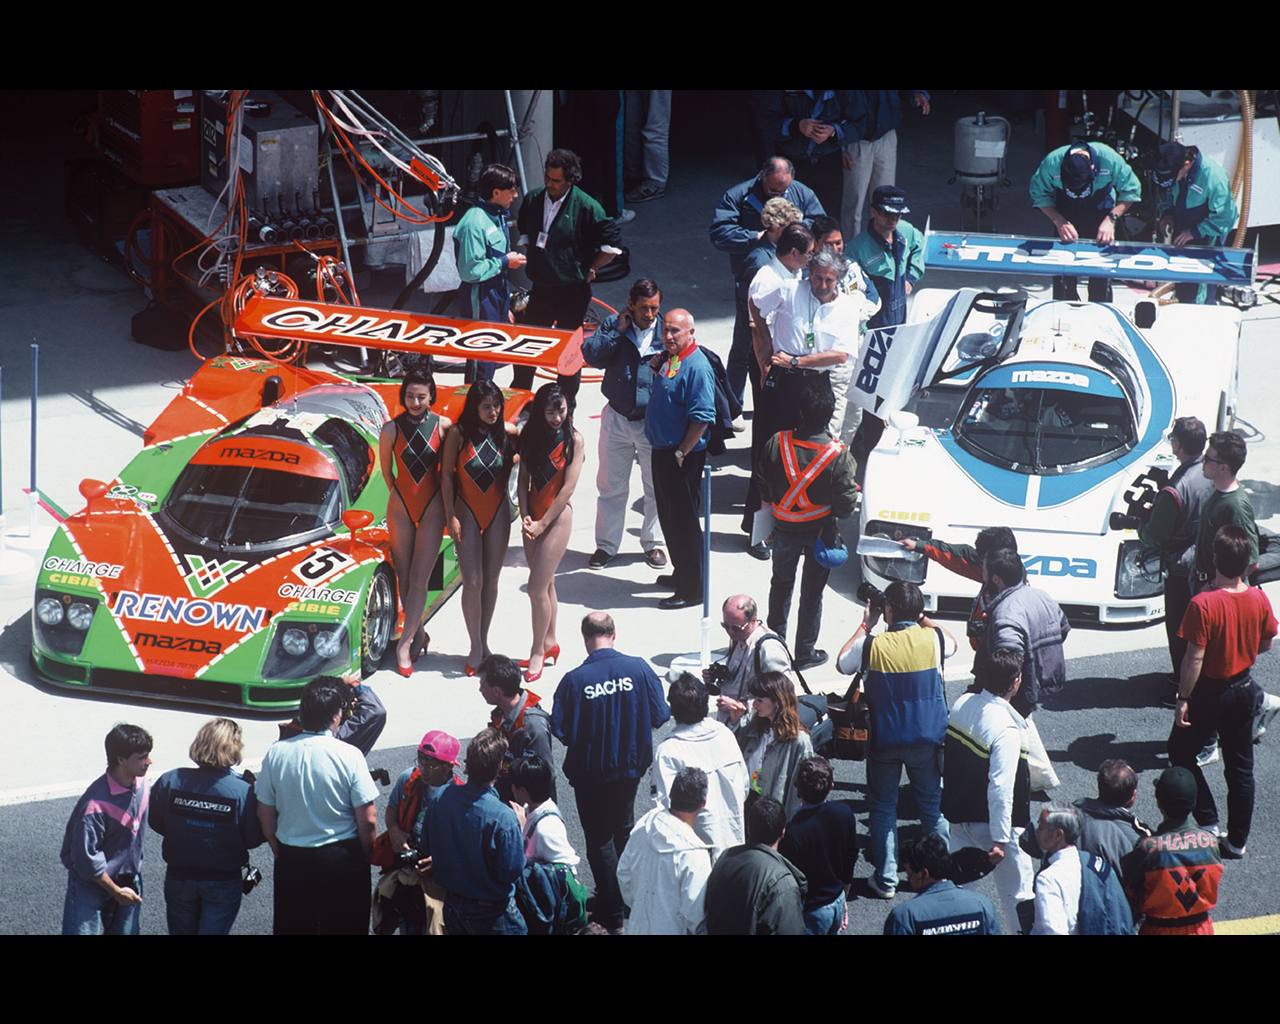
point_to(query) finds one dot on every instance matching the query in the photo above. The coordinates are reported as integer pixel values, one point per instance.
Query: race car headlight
(907, 570)
(303, 649)
(80, 615)
(295, 642)
(1138, 570)
(49, 611)
(61, 621)
(328, 643)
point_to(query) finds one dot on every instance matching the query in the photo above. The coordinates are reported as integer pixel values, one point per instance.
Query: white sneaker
(1270, 708)
(739, 425)
(1206, 757)
(882, 894)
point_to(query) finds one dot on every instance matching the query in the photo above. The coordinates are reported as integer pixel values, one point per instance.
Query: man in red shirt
(1226, 627)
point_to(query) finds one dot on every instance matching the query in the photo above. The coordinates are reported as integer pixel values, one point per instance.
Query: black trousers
(608, 814)
(563, 308)
(677, 491)
(322, 890)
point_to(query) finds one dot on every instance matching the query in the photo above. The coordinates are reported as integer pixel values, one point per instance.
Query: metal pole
(706, 566)
(515, 139)
(35, 392)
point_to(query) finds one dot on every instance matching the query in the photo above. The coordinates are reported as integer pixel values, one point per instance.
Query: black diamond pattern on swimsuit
(419, 457)
(485, 464)
(543, 473)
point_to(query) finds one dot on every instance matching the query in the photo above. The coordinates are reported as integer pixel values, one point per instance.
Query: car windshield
(1046, 429)
(252, 505)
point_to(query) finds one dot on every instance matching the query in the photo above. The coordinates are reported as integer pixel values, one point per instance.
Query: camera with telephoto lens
(871, 596)
(406, 858)
(249, 877)
(716, 676)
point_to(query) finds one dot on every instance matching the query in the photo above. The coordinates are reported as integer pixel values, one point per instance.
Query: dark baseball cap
(1077, 174)
(891, 199)
(1169, 160)
(1176, 789)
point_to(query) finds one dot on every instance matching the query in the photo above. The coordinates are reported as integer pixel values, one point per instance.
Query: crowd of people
(741, 836)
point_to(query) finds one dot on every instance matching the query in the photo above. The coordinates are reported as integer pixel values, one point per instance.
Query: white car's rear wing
(1146, 261)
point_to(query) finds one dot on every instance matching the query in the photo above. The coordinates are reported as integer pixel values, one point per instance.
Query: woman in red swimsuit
(409, 450)
(551, 455)
(479, 454)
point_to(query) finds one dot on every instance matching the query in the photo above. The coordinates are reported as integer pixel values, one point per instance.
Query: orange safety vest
(795, 506)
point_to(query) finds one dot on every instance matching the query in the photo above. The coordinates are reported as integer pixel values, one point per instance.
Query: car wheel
(379, 620)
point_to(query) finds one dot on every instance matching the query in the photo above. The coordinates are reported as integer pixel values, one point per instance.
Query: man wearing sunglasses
(753, 649)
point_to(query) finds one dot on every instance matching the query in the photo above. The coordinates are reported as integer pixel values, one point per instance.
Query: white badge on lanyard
(542, 240)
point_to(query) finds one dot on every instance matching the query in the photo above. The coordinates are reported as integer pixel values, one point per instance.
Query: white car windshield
(1065, 421)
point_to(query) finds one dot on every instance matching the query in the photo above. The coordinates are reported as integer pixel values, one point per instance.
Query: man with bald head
(682, 406)
(605, 712)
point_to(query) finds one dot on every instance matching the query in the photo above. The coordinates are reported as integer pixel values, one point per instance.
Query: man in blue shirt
(604, 713)
(681, 408)
(477, 847)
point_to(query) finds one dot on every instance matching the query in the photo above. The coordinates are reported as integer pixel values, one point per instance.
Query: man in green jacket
(570, 237)
(1195, 207)
(1084, 190)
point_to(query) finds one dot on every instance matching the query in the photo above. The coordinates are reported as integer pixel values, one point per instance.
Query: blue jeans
(464, 916)
(884, 772)
(88, 910)
(826, 920)
(788, 546)
(200, 908)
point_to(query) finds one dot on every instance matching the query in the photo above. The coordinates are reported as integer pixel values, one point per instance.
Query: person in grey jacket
(773, 740)
(622, 347)
(1109, 827)
(1027, 620)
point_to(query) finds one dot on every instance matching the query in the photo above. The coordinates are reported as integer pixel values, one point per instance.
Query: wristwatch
(795, 362)
(1114, 218)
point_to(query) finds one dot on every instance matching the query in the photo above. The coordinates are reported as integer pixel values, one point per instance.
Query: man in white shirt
(316, 807)
(815, 330)
(1058, 884)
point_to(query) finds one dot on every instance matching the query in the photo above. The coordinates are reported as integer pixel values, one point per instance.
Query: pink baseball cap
(441, 746)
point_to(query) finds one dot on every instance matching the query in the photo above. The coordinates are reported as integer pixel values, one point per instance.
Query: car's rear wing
(405, 331)
(1142, 261)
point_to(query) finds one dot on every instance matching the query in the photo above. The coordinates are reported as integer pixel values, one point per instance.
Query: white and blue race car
(1045, 417)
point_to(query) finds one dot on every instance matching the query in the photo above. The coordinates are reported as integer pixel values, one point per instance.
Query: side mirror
(271, 390)
(355, 520)
(91, 490)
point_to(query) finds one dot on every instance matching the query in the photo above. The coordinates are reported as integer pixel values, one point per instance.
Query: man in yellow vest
(808, 480)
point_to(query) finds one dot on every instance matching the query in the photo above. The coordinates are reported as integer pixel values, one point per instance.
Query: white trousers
(1014, 877)
(622, 443)
(874, 164)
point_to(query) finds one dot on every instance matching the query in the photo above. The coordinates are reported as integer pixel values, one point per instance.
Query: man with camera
(902, 669)
(316, 804)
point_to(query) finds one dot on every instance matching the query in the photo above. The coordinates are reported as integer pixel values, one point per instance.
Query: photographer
(208, 816)
(1173, 525)
(408, 896)
(902, 670)
(749, 656)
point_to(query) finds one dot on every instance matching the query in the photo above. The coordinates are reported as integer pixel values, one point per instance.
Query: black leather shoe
(678, 602)
(813, 661)
(760, 551)
(599, 559)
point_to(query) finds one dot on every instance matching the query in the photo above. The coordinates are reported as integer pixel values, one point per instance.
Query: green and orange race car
(244, 550)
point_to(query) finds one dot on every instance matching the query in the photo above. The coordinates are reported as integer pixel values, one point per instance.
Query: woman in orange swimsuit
(409, 450)
(479, 454)
(551, 456)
